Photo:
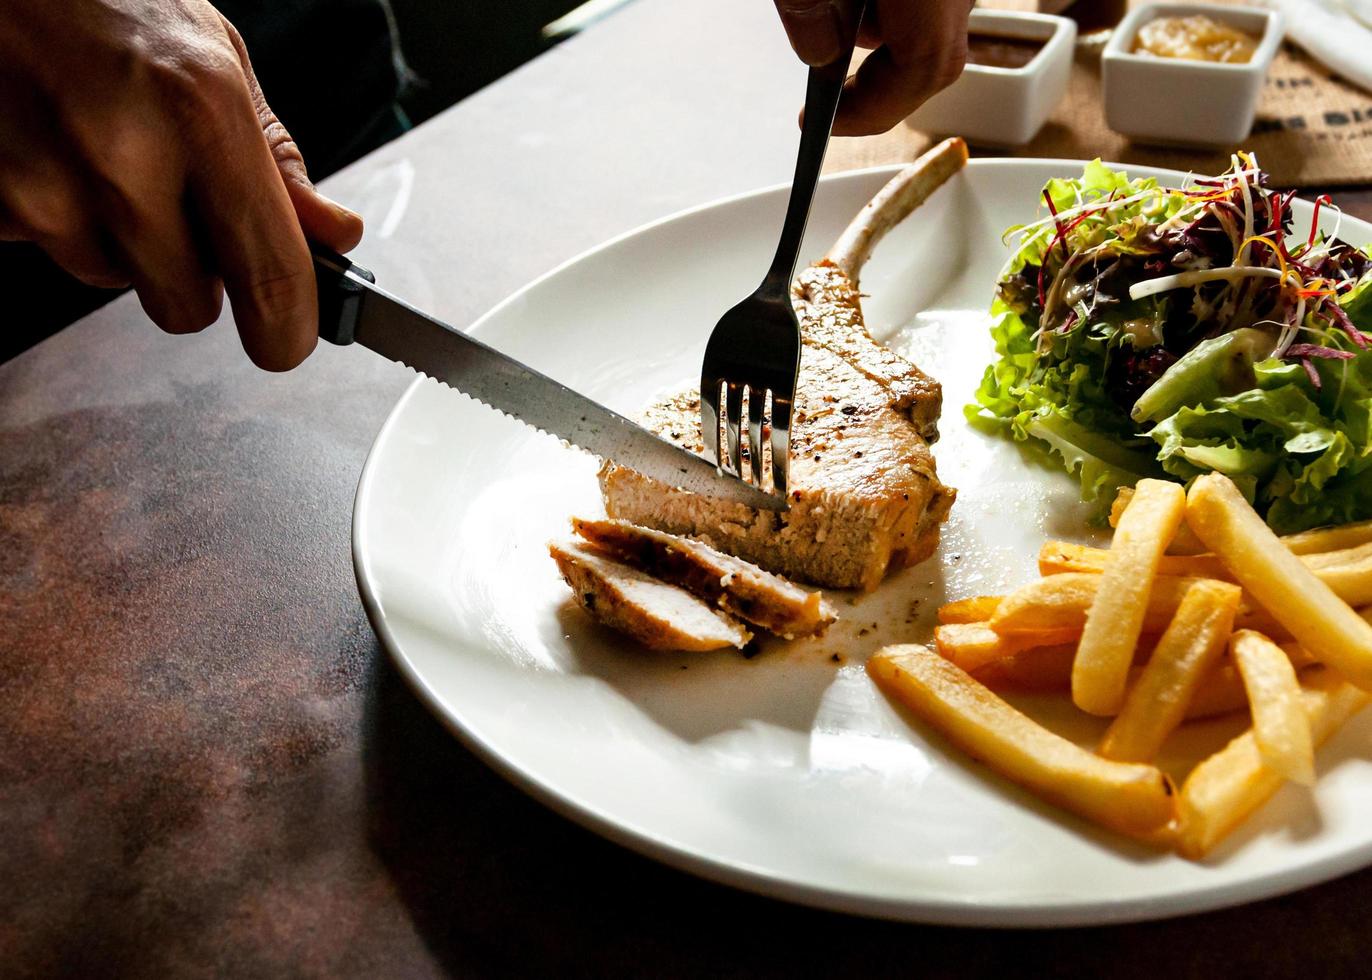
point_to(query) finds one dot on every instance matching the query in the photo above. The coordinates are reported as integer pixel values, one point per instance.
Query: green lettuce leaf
(1300, 451)
(1062, 406)
(1292, 459)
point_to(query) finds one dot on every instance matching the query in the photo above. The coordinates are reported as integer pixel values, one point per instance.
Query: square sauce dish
(1017, 69)
(1182, 100)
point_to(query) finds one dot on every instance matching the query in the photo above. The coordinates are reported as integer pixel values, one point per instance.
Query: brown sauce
(1001, 51)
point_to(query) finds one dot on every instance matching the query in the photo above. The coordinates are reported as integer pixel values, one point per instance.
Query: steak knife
(353, 309)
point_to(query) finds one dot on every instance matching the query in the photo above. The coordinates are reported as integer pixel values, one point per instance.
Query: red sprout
(1054, 210)
(1315, 218)
(1337, 312)
(1063, 232)
(1306, 270)
(1316, 350)
(1295, 263)
(1277, 205)
(1312, 373)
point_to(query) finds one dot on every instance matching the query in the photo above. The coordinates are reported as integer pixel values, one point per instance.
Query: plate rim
(765, 882)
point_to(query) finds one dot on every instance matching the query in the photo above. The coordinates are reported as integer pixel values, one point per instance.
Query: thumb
(818, 29)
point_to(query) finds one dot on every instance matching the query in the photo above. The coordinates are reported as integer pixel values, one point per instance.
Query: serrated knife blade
(353, 309)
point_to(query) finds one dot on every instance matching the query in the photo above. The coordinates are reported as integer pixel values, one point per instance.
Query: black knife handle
(340, 296)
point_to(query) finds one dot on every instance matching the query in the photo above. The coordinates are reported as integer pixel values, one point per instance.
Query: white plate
(787, 774)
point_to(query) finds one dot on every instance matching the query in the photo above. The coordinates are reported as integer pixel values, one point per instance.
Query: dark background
(455, 47)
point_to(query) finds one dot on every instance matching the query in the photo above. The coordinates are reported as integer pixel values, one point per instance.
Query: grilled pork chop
(658, 615)
(865, 496)
(736, 586)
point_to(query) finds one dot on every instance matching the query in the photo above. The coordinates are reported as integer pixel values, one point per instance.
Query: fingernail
(818, 37)
(341, 208)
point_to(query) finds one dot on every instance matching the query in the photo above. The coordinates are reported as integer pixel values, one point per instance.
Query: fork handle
(822, 92)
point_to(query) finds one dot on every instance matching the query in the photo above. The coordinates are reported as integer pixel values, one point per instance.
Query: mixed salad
(1143, 330)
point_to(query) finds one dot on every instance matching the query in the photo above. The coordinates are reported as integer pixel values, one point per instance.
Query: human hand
(920, 48)
(136, 148)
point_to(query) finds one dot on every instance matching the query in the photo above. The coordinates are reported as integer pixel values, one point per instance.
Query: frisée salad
(1145, 331)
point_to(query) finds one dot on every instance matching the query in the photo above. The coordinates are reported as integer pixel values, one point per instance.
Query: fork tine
(757, 401)
(709, 416)
(733, 417)
(781, 443)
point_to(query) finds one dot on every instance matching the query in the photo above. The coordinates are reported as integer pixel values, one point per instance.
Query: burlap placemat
(1312, 129)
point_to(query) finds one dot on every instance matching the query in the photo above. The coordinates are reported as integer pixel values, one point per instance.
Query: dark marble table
(207, 765)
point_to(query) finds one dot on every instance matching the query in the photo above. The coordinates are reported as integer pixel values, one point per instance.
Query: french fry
(1048, 670)
(1220, 692)
(1115, 619)
(1120, 504)
(974, 645)
(1329, 538)
(1060, 602)
(976, 609)
(1228, 786)
(1042, 670)
(1347, 572)
(1300, 659)
(1056, 602)
(1281, 730)
(1318, 619)
(1056, 557)
(1311, 542)
(1354, 555)
(1182, 543)
(1187, 652)
(1127, 797)
(1193, 567)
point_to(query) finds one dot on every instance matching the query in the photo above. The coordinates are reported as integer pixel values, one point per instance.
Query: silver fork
(755, 347)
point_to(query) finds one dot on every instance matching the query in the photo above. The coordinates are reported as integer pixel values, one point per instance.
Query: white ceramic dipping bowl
(1187, 103)
(1002, 107)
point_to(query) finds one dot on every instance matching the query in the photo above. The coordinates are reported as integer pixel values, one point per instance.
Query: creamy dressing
(1195, 38)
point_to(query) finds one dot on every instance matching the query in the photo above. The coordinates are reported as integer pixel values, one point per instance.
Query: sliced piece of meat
(865, 495)
(734, 585)
(658, 615)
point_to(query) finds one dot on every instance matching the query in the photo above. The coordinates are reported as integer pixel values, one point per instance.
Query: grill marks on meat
(728, 583)
(656, 614)
(830, 308)
(865, 495)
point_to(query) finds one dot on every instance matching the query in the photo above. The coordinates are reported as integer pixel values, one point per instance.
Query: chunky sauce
(1196, 38)
(1001, 51)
